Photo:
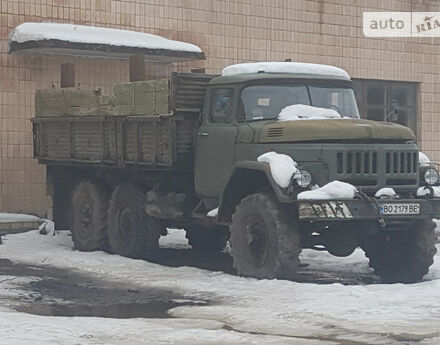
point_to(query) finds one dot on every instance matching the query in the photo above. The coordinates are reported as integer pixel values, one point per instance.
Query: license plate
(391, 209)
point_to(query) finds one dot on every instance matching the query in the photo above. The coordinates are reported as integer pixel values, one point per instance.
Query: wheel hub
(257, 241)
(86, 212)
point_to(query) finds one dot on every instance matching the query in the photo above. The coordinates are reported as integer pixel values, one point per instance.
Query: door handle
(203, 134)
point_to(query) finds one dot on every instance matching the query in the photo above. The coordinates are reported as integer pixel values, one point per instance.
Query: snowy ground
(224, 309)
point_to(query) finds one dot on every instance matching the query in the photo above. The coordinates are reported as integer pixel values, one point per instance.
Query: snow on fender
(332, 190)
(423, 191)
(390, 192)
(282, 167)
(424, 159)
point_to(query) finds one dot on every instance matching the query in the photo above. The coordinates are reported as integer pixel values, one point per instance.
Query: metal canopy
(97, 42)
(58, 47)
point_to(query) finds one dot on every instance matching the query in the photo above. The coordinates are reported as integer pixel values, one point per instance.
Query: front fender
(248, 177)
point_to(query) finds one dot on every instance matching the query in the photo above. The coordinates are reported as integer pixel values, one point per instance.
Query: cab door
(215, 146)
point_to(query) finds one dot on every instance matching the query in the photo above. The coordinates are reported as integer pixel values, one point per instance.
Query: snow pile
(423, 191)
(332, 190)
(18, 218)
(306, 112)
(242, 310)
(286, 67)
(213, 213)
(387, 192)
(90, 34)
(282, 167)
(424, 159)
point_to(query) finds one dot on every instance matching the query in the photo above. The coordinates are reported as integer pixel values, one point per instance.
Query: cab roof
(261, 70)
(248, 77)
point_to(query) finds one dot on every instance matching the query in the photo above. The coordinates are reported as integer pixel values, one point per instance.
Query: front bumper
(363, 209)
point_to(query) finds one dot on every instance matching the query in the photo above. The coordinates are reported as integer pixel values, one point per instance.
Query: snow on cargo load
(90, 34)
(306, 112)
(286, 67)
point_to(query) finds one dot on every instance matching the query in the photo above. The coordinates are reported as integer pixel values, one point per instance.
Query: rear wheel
(265, 239)
(131, 231)
(89, 206)
(402, 256)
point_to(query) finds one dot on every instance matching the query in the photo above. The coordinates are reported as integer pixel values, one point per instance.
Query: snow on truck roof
(286, 68)
(91, 39)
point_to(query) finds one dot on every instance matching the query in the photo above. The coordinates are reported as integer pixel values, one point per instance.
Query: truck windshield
(263, 102)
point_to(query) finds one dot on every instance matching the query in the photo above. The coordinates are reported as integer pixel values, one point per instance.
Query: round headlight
(303, 178)
(430, 176)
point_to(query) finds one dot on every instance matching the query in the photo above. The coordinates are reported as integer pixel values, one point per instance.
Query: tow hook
(376, 206)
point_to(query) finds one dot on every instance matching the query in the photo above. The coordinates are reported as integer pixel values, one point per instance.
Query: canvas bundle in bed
(149, 97)
(72, 102)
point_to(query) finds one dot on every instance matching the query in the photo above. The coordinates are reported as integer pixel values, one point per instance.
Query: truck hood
(335, 129)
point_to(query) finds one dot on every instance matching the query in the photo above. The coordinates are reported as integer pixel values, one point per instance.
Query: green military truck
(202, 164)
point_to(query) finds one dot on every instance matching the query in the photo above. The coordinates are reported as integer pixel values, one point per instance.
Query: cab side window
(222, 101)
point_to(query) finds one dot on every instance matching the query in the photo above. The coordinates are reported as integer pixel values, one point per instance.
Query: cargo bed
(148, 142)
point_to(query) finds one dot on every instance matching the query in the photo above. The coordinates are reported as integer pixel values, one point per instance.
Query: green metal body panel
(340, 129)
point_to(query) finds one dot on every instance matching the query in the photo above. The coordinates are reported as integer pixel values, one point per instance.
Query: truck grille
(357, 163)
(401, 162)
(367, 167)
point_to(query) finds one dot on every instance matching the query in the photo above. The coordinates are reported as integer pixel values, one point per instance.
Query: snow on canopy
(286, 67)
(333, 190)
(306, 112)
(90, 34)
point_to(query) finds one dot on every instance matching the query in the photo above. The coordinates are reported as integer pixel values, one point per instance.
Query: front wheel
(265, 239)
(402, 256)
(131, 232)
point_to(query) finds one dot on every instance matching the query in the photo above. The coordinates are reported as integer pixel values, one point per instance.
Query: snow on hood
(286, 67)
(91, 34)
(332, 190)
(306, 112)
(424, 159)
(282, 167)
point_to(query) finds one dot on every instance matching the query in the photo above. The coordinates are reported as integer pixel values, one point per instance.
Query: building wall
(228, 32)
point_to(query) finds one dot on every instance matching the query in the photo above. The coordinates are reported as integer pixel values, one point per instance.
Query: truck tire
(89, 213)
(206, 240)
(131, 232)
(403, 257)
(265, 239)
